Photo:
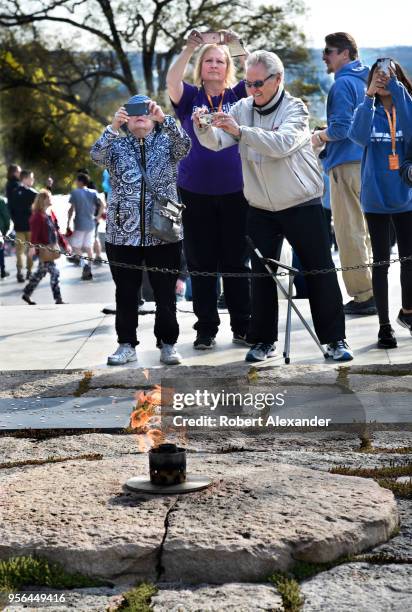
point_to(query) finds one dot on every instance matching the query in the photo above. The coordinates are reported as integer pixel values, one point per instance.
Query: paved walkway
(79, 335)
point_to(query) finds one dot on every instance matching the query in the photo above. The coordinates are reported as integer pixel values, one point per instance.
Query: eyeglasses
(259, 83)
(329, 51)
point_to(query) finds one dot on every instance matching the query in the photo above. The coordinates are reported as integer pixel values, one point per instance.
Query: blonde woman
(45, 230)
(211, 187)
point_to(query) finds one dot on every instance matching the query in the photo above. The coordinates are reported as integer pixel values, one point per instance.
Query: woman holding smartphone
(211, 187)
(382, 124)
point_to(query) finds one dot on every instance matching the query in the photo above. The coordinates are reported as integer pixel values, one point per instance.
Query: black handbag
(166, 221)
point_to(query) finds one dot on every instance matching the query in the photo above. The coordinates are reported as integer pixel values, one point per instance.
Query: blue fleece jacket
(344, 96)
(383, 190)
(407, 165)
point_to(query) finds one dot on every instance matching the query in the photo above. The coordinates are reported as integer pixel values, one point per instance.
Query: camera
(206, 119)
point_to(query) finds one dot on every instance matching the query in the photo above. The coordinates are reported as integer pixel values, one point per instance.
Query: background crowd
(242, 161)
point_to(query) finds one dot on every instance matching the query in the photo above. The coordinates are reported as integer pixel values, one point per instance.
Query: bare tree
(117, 30)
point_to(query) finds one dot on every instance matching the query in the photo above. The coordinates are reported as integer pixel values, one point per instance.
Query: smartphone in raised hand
(384, 64)
(217, 38)
(138, 109)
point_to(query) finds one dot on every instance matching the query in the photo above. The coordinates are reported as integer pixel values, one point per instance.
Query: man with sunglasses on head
(341, 160)
(283, 186)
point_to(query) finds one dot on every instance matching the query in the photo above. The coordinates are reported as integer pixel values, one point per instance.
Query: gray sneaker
(123, 354)
(260, 352)
(169, 354)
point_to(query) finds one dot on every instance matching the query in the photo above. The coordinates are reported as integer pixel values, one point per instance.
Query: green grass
(19, 572)
(139, 598)
(289, 589)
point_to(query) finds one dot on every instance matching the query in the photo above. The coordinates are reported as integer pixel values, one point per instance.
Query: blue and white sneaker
(260, 352)
(339, 351)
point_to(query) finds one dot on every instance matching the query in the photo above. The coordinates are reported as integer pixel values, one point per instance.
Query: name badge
(394, 161)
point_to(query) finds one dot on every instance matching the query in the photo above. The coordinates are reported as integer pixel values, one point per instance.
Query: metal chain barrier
(199, 273)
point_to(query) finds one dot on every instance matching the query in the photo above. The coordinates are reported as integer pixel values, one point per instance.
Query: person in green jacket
(4, 228)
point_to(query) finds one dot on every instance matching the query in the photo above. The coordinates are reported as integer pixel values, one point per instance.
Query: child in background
(45, 230)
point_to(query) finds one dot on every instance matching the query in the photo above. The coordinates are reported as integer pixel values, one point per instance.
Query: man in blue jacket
(341, 161)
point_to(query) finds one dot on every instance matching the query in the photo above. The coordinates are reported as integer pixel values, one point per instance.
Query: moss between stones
(289, 590)
(365, 443)
(396, 450)
(384, 476)
(391, 471)
(13, 464)
(19, 572)
(400, 489)
(342, 378)
(84, 384)
(139, 598)
(47, 434)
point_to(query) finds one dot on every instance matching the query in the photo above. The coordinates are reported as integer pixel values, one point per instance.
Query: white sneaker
(123, 354)
(339, 350)
(169, 354)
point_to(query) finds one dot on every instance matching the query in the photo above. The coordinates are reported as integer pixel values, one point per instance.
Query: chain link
(224, 274)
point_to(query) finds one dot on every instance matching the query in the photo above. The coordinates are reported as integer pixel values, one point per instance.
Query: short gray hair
(269, 60)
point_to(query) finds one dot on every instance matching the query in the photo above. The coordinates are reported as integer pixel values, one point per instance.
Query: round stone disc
(192, 483)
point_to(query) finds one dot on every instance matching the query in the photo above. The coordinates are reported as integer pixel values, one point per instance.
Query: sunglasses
(329, 50)
(259, 83)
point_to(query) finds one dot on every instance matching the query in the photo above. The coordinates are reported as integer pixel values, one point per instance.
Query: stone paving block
(380, 383)
(96, 599)
(234, 597)
(271, 517)
(400, 545)
(248, 524)
(312, 375)
(312, 450)
(395, 369)
(360, 586)
(45, 383)
(145, 377)
(77, 513)
(109, 445)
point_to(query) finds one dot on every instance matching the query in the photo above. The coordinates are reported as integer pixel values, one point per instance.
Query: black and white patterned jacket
(160, 153)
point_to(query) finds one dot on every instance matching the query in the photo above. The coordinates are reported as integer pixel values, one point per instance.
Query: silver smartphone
(384, 64)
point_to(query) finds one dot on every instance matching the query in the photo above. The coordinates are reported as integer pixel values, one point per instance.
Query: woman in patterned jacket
(157, 142)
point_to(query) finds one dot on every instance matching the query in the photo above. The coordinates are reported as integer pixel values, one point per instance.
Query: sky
(373, 23)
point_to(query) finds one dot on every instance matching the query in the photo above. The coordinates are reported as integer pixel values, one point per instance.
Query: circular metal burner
(191, 484)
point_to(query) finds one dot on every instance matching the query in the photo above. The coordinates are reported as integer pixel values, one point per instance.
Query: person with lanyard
(283, 185)
(382, 124)
(211, 187)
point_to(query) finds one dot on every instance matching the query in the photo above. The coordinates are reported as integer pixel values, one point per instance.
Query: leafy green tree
(45, 134)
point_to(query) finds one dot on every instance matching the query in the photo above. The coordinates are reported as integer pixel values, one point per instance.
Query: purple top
(203, 170)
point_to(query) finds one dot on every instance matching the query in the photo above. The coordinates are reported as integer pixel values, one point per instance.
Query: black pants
(128, 283)
(305, 229)
(380, 233)
(215, 228)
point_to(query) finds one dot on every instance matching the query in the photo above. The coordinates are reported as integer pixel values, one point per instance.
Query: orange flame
(145, 420)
